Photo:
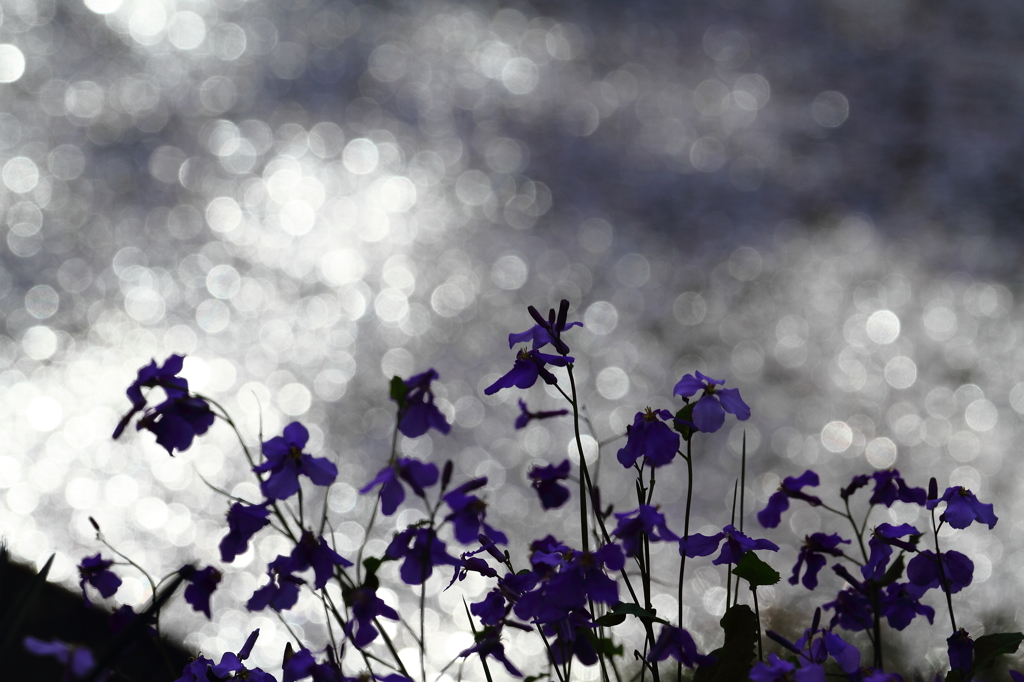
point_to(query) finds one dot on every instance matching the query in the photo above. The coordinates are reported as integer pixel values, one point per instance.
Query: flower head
(95, 571)
(962, 508)
(529, 365)
(316, 553)
(645, 520)
(489, 644)
(813, 552)
(778, 670)
(677, 643)
(281, 592)
(419, 558)
(650, 437)
(736, 545)
(792, 487)
(547, 330)
(366, 607)
(244, 520)
(201, 587)
(957, 570)
(232, 663)
(961, 650)
(196, 670)
(285, 461)
(468, 513)
(166, 375)
(414, 472)
(545, 480)
(416, 409)
(709, 411)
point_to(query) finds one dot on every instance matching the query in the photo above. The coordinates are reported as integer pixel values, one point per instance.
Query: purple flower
(244, 520)
(736, 545)
(528, 366)
(177, 420)
(420, 558)
(890, 486)
(677, 643)
(882, 538)
(94, 570)
(366, 606)
(962, 508)
(196, 670)
(568, 578)
(778, 670)
(316, 553)
(645, 520)
(901, 603)
(525, 416)
(958, 570)
(416, 409)
(232, 663)
(202, 585)
(489, 644)
(709, 411)
(650, 437)
(547, 331)
(545, 480)
(468, 513)
(78, 660)
(852, 608)
(771, 515)
(961, 650)
(813, 552)
(149, 376)
(281, 592)
(414, 472)
(285, 461)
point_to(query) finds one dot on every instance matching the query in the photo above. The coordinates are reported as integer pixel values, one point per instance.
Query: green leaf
(398, 390)
(736, 656)
(755, 571)
(610, 619)
(634, 610)
(686, 414)
(604, 645)
(988, 647)
(894, 573)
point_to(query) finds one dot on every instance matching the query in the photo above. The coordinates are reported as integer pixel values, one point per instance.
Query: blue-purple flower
(677, 643)
(286, 460)
(178, 420)
(779, 670)
(644, 520)
(529, 365)
(281, 592)
(96, 571)
(366, 606)
(546, 330)
(420, 557)
(417, 474)
(202, 584)
(416, 409)
(957, 570)
(735, 546)
(489, 644)
(525, 416)
(196, 670)
(568, 578)
(232, 663)
(244, 520)
(166, 375)
(468, 513)
(884, 536)
(650, 437)
(709, 410)
(316, 553)
(812, 553)
(792, 487)
(963, 508)
(545, 480)
(961, 650)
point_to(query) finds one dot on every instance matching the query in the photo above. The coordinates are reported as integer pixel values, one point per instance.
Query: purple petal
(708, 414)
(687, 386)
(733, 403)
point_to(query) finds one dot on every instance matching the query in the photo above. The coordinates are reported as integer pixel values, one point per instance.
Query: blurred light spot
(387, 63)
(900, 372)
(187, 30)
(397, 362)
(612, 383)
(966, 476)
(707, 154)
(596, 235)
(745, 264)
(223, 214)
(709, 97)
(391, 306)
(41, 301)
(632, 270)
(212, 315)
(226, 41)
(360, 156)
(151, 512)
(147, 22)
(881, 453)
(39, 342)
(452, 297)
(963, 446)
(294, 399)
(837, 436)
(714, 601)
(218, 94)
(184, 221)
(830, 109)
(1017, 398)
(145, 305)
(20, 174)
(505, 155)
(883, 326)
(22, 498)
(297, 217)
(10, 471)
(469, 413)
(473, 188)
(601, 318)
(44, 413)
(326, 140)
(12, 63)
(755, 86)
(748, 359)
(103, 6)
(981, 415)
(397, 194)
(509, 272)
(589, 449)
(581, 118)
(689, 308)
(223, 281)
(66, 161)
(82, 492)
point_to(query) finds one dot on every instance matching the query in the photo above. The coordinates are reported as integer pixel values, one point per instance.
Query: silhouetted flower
(778, 670)
(882, 538)
(417, 474)
(677, 643)
(812, 553)
(545, 480)
(149, 376)
(316, 553)
(285, 461)
(94, 570)
(650, 437)
(178, 420)
(468, 513)
(645, 520)
(281, 592)
(735, 546)
(709, 411)
(366, 606)
(244, 521)
(792, 486)
(962, 508)
(202, 585)
(961, 650)
(958, 570)
(416, 409)
(419, 558)
(890, 486)
(196, 670)
(232, 663)
(489, 644)
(547, 330)
(529, 365)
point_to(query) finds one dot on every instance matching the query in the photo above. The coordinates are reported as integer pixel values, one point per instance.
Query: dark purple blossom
(901, 603)
(77, 660)
(645, 520)
(884, 536)
(779, 670)
(567, 579)
(489, 644)
(529, 365)
(709, 410)
(95, 571)
(196, 670)
(735, 546)
(650, 437)
(525, 416)
(468, 513)
(547, 330)
(852, 609)
(149, 376)
(286, 460)
(677, 643)
(414, 472)
(961, 650)
(281, 592)
(963, 508)
(957, 569)
(545, 480)
(419, 557)
(366, 606)
(244, 521)
(812, 553)
(202, 584)
(417, 411)
(178, 420)
(845, 654)
(316, 553)
(890, 486)
(792, 487)
(232, 663)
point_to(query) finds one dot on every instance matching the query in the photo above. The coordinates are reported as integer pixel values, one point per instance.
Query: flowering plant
(571, 593)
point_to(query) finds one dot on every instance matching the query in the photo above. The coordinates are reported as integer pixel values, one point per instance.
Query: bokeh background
(818, 201)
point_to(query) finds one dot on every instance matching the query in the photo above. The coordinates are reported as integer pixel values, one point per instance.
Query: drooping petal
(733, 403)
(708, 414)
